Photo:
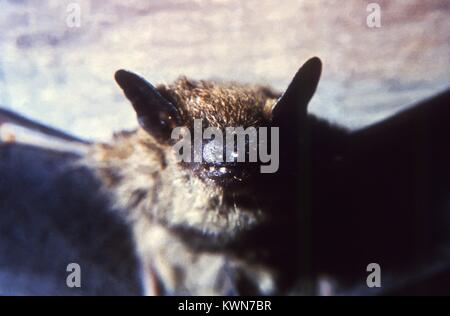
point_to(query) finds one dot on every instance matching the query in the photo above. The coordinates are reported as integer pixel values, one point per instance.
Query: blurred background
(63, 75)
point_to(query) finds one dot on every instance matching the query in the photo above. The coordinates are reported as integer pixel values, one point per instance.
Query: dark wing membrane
(53, 211)
(394, 199)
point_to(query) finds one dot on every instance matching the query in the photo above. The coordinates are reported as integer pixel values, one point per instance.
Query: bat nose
(216, 152)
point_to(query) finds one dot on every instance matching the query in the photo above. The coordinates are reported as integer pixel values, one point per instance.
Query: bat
(338, 201)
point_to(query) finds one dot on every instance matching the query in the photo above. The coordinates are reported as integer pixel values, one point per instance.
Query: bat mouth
(220, 171)
(228, 175)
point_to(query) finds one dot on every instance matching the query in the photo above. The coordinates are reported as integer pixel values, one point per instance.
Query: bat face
(208, 183)
(222, 122)
(215, 116)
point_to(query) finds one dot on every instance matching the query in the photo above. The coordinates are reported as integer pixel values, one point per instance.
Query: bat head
(222, 121)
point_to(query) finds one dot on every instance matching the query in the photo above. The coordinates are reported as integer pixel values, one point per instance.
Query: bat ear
(299, 92)
(155, 114)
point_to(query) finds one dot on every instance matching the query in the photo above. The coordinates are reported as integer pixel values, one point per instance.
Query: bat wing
(390, 197)
(415, 141)
(19, 129)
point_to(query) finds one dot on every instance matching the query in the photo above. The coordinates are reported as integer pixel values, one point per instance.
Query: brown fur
(221, 104)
